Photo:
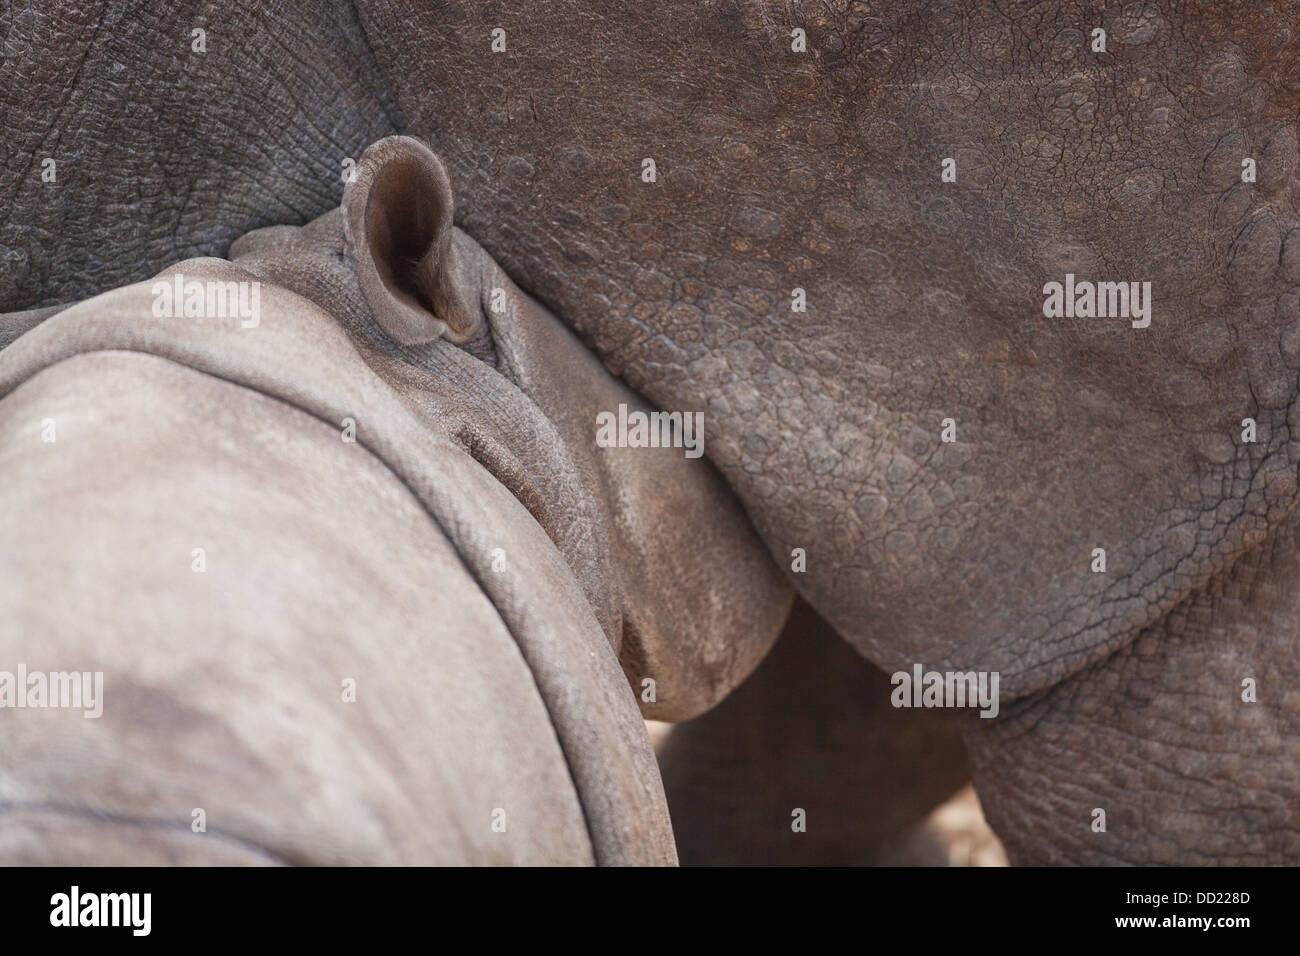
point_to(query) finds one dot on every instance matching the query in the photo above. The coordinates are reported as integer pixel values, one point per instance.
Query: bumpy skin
(472, 561)
(163, 153)
(822, 170)
(1158, 737)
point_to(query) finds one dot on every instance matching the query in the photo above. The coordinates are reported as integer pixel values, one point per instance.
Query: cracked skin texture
(163, 154)
(822, 171)
(779, 170)
(1163, 718)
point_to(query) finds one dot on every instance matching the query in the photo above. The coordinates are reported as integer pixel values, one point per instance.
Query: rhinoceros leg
(811, 730)
(1176, 749)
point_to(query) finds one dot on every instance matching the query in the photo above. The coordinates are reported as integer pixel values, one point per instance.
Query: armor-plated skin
(823, 170)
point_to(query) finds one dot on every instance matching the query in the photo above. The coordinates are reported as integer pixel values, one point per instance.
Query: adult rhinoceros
(1112, 531)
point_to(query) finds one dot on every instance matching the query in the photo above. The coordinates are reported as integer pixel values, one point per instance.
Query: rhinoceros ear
(397, 226)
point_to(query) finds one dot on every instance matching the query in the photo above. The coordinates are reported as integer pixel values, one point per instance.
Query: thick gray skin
(163, 153)
(479, 685)
(822, 171)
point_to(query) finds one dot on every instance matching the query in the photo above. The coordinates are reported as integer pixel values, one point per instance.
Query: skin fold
(821, 171)
(492, 581)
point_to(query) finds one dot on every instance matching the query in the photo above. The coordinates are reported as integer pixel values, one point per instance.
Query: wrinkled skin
(827, 424)
(821, 171)
(162, 153)
(479, 685)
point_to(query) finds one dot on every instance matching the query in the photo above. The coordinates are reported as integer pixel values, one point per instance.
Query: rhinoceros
(329, 522)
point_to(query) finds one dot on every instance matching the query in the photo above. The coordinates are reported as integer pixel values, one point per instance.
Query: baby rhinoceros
(330, 526)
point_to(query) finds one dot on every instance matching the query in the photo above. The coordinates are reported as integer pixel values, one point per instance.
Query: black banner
(958, 907)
